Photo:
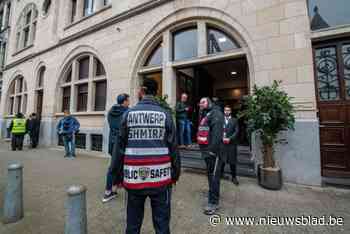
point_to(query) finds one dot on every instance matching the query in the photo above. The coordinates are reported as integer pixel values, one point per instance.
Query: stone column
(75, 68)
(91, 95)
(169, 75)
(202, 39)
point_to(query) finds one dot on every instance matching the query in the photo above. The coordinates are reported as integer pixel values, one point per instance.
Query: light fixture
(233, 73)
(222, 39)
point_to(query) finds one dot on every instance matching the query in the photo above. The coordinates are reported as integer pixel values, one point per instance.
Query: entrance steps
(192, 159)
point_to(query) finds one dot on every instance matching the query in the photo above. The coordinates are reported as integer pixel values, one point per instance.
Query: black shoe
(235, 181)
(211, 209)
(107, 198)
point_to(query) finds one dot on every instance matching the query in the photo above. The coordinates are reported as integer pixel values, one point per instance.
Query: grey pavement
(47, 175)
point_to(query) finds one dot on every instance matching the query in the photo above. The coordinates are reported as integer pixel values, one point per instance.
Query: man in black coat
(209, 138)
(229, 148)
(33, 128)
(114, 118)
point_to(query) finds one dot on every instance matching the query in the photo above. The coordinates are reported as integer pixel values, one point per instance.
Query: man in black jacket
(209, 138)
(33, 126)
(183, 123)
(229, 148)
(114, 118)
(150, 163)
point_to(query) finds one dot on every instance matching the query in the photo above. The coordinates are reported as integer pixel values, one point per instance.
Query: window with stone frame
(96, 142)
(89, 7)
(80, 140)
(17, 98)
(26, 27)
(107, 2)
(73, 11)
(3, 47)
(46, 7)
(87, 81)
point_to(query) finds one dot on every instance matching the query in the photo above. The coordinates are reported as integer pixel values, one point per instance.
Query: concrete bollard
(13, 204)
(76, 219)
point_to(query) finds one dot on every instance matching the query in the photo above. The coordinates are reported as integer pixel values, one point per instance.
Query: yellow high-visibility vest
(19, 126)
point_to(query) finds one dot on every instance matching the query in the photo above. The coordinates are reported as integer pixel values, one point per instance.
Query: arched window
(26, 27)
(185, 44)
(17, 98)
(84, 85)
(218, 41)
(156, 57)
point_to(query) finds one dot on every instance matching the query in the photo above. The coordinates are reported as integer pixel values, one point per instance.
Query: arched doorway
(204, 58)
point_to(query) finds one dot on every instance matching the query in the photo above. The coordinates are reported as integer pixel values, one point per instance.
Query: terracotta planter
(270, 178)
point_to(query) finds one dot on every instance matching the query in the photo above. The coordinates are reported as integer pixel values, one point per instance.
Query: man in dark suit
(230, 138)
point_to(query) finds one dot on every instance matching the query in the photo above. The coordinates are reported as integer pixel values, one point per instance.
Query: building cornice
(97, 27)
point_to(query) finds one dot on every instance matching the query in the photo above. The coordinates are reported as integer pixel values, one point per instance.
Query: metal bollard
(13, 204)
(76, 219)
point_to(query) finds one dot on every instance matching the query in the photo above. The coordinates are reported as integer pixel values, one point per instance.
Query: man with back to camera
(150, 163)
(209, 138)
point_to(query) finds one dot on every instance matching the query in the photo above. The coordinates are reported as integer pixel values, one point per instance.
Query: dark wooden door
(332, 78)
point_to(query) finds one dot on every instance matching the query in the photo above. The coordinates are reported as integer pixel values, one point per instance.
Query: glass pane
(82, 97)
(185, 44)
(100, 95)
(88, 7)
(327, 74)
(26, 37)
(28, 17)
(218, 42)
(73, 12)
(68, 77)
(346, 60)
(156, 57)
(100, 70)
(326, 13)
(41, 77)
(84, 68)
(65, 98)
(19, 104)
(158, 78)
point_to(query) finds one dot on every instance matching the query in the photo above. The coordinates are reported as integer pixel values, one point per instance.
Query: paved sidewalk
(47, 175)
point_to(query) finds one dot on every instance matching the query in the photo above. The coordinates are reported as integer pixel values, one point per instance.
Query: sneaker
(211, 209)
(108, 197)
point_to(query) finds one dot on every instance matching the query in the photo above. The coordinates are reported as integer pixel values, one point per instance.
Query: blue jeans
(184, 132)
(69, 145)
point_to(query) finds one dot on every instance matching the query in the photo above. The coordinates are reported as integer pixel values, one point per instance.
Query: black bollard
(76, 220)
(13, 204)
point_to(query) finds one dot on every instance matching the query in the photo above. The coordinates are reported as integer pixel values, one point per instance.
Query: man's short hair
(150, 86)
(122, 98)
(227, 106)
(66, 111)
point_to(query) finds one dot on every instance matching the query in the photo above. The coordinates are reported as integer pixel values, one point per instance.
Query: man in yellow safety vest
(18, 129)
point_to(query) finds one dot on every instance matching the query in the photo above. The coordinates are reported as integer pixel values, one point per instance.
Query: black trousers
(213, 178)
(232, 168)
(17, 142)
(34, 140)
(160, 203)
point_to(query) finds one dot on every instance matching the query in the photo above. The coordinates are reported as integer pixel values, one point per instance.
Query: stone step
(245, 165)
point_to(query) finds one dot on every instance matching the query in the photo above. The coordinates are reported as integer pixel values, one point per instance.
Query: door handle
(322, 126)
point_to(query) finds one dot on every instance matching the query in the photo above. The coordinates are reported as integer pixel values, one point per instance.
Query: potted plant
(267, 112)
